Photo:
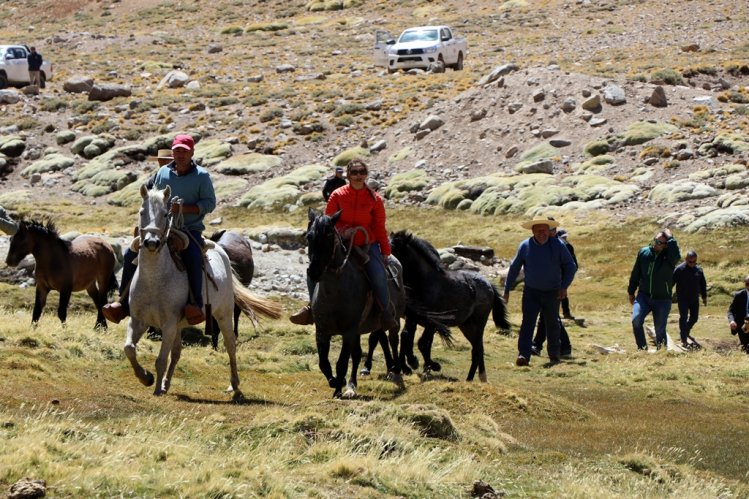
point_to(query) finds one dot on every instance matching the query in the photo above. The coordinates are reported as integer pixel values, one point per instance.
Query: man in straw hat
(549, 270)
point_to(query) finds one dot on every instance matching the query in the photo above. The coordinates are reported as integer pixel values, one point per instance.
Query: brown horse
(239, 250)
(87, 263)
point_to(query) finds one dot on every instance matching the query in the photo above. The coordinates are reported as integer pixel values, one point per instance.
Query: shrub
(270, 115)
(670, 76)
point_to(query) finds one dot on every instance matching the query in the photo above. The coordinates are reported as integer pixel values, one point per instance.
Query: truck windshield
(422, 35)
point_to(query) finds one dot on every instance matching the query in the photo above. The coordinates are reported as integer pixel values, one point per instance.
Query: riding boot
(116, 311)
(192, 256)
(389, 321)
(303, 317)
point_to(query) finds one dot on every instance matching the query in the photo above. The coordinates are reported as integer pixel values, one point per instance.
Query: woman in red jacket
(362, 207)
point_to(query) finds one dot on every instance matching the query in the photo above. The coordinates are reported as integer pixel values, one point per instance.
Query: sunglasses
(357, 172)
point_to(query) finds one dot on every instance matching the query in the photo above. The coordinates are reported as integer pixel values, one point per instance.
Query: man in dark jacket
(333, 183)
(652, 278)
(737, 314)
(690, 283)
(34, 60)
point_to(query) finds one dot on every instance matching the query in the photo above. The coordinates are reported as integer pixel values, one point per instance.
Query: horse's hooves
(148, 380)
(158, 392)
(332, 382)
(238, 397)
(337, 394)
(407, 370)
(436, 367)
(350, 392)
(396, 378)
(482, 377)
(365, 371)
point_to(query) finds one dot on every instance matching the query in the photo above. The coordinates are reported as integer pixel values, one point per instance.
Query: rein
(339, 242)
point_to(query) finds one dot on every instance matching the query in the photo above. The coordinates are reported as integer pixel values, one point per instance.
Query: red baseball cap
(183, 142)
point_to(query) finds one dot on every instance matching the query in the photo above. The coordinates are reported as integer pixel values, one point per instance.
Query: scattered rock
(174, 79)
(592, 104)
(9, 96)
(432, 123)
(658, 97)
(27, 488)
(108, 91)
(614, 95)
(78, 84)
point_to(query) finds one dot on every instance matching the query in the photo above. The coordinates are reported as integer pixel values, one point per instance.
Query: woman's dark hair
(356, 163)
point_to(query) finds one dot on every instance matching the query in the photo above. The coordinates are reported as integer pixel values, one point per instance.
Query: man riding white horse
(192, 185)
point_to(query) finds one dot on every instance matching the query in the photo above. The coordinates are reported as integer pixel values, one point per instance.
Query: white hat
(553, 224)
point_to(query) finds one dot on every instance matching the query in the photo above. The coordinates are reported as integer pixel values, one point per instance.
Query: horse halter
(161, 233)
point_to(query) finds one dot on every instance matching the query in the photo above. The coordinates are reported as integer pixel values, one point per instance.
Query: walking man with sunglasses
(690, 283)
(652, 279)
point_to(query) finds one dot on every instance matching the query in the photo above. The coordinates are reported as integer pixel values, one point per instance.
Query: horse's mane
(422, 247)
(44, 227)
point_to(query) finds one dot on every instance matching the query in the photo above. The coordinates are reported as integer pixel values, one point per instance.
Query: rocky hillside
(633, 108)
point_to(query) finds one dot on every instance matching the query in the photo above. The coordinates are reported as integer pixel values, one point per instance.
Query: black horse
(460, 298)
(342, 303)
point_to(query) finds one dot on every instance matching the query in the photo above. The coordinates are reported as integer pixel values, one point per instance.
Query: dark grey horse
(463, 299)
(239, 250)
(342, 303)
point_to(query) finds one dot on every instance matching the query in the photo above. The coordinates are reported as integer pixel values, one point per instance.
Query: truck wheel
(3, 80)
(459, 65)
(42, 80)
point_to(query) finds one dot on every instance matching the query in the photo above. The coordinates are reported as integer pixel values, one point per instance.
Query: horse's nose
(151, 243)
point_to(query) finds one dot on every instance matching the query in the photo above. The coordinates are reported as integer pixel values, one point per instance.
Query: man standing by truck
(35, 60)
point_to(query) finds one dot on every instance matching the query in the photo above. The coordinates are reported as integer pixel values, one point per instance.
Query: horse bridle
(158, 231)
(339, 242)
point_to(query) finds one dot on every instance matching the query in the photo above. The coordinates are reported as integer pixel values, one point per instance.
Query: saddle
(177, 241)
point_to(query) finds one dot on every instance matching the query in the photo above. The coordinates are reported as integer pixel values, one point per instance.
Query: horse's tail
(251, 304)
(499, 310)
(445, 334)
(112, 286)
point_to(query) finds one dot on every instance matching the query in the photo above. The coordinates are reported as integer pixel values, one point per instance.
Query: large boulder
(108, 91)
(78, 84)
(174, 79)
(8, 96)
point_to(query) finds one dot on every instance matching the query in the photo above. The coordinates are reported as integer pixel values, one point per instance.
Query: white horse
(159, 291)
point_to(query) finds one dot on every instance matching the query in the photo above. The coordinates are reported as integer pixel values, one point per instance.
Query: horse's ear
(143, 191)
(336, 216)
(167, 193)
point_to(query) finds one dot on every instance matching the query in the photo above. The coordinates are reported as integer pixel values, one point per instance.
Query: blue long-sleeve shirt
(195, 188)
(547, 266)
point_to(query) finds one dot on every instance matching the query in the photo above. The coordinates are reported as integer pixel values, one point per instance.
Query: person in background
(333, 183)
(690, 283)
(34, 60)
(549, 271)
(738, 313)
(562, 234)
(652, 278)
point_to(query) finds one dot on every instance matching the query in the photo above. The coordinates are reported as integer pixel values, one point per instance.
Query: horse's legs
(474, 333)
(355, 359)
(62, 307)
(168, 334)
(230, 343)
(99, 295)
(173, 359)
(214, 334)
(135, 330)
(40, 300)
(323, 350)
(407, 358)
(372, 342)
(342, 365)
(425, 347)
(391, 351)
(237, 313)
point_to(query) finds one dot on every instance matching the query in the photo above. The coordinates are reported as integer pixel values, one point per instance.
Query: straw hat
(553, 224)
(162, 154)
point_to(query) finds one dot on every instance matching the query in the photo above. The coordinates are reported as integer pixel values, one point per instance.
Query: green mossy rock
(12, 146)
(229, 188)
(403, 183)
(211, 152)
(65, 137)
(356, 152)
(101, 143)
(596, 148)
(644, 131)
(51, 163)
(14, 199)
(244, 164)
(284, 190)
(130, 194)
(594, 165)
(104, 182)
(682, 190)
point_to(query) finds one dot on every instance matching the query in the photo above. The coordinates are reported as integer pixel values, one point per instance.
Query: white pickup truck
(419, 47)
(14, 69)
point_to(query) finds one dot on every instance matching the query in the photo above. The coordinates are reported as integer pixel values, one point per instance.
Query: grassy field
(622, 425)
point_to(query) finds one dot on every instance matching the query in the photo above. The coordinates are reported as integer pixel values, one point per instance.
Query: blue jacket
(653, 272)
(547, 266)
(194, 188)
